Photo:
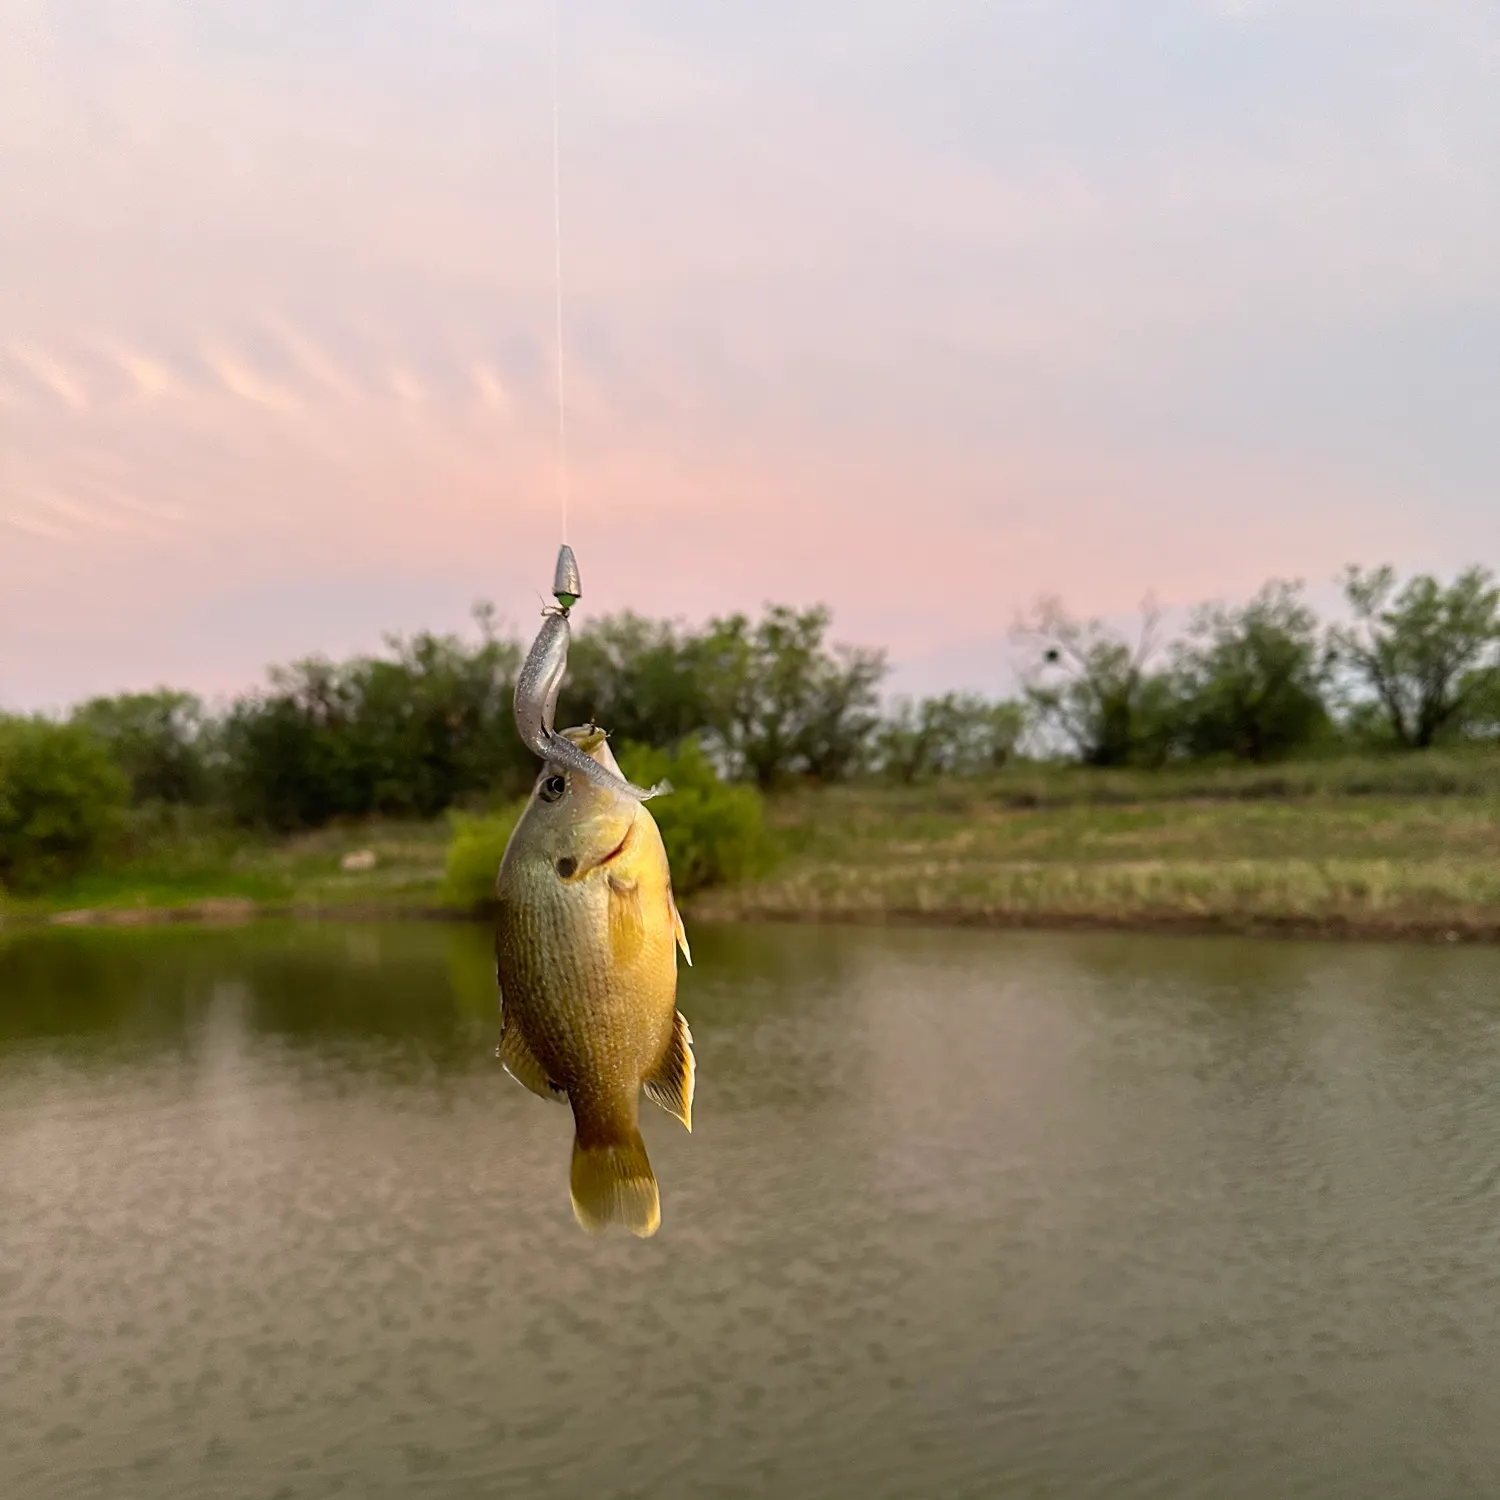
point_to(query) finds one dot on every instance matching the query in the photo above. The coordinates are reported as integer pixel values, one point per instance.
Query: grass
(189, 869)
(1471, 773)
(1378, 848)
(1405, 846)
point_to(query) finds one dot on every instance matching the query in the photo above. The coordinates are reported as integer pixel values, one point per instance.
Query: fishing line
(562, 417)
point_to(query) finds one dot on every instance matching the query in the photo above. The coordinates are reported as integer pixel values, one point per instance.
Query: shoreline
(1396, 866)
(723, 907)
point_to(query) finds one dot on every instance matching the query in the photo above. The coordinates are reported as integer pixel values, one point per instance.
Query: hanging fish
(586, 932)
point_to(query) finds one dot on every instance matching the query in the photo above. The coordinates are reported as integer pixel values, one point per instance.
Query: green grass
(187, 866)
(1471, 773)
(1334, 847)
(1407, 845)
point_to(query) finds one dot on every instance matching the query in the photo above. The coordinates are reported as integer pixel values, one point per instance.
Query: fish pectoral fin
(678, 930)
(519, 1061)
(627, 921)
(671, 1085)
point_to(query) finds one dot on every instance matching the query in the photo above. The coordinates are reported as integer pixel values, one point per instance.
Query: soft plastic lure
(540, 681)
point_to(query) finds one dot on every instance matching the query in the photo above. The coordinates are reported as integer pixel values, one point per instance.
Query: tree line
(426, 725)
(1414, 664)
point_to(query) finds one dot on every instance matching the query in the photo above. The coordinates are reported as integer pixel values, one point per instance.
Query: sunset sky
(922, 308)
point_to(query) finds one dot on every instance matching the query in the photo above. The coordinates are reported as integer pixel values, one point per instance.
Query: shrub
(713, 829)
(958, 734)
(61, 796)
(474, 857)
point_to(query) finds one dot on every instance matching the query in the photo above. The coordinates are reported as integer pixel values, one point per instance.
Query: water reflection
(964, 1214)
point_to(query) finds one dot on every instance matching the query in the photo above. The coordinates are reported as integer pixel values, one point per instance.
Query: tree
(835, 735)
(61, 796)
(781, 702)
(290, 762)
(637, 678)
(158, 739)
(1424, 652)
(957, 734)
(1095, 689)
(434, 723)
(1250, 680)
(1482, 704)
(408, 734)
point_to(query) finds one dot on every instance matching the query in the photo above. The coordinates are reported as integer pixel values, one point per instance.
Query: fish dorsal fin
(679, 930)
(627, 921)
(671, 1085)
(521, 1064)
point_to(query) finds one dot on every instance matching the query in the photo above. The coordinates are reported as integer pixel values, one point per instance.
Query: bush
(958, 734)
(474, 857)
(61, 797)
(713, 829)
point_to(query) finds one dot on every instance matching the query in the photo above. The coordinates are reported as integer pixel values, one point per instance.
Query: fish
(535, 704)
(586, 938)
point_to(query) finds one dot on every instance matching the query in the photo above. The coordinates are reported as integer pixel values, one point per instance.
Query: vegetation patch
(1262, 767)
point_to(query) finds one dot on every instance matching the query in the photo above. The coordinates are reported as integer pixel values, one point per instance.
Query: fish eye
(553, 788)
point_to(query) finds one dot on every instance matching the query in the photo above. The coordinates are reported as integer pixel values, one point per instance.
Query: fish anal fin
(612, 1183)
(627, 921)
(519, 1061)
(671, 1085)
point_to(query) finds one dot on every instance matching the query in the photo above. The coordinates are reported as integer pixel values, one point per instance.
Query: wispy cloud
(50, 375)
(241, 379)
(314, 363)
(405, 386)
(149, 379)
(489, 388)
(28, 523)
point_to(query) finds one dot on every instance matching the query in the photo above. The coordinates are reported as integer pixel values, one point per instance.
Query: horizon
(888, 307)
(1001, 679)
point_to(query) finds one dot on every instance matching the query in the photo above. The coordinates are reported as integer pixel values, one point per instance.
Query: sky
(923, 309)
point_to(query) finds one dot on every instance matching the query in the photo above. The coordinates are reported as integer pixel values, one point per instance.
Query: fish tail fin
(612, 1183)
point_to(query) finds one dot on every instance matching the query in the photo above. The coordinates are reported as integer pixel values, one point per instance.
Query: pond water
(963, 1215)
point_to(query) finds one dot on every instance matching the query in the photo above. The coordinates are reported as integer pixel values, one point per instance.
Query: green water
(962, 1215)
